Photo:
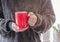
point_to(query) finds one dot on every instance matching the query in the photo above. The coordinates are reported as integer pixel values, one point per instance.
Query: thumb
(30, 13)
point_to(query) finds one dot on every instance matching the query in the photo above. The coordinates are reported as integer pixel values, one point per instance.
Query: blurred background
(53, 35)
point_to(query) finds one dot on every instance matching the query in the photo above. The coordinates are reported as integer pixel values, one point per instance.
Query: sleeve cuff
(8, 25)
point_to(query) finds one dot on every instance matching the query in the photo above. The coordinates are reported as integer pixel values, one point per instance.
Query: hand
(32, 19)
(17, 29)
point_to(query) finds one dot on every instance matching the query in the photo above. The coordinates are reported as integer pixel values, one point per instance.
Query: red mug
(21, 19)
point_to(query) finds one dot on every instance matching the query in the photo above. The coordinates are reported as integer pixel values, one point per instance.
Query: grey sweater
(42, 9)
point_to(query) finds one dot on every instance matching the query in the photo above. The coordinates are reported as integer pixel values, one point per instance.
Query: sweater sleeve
(46, 18)
(4, 29)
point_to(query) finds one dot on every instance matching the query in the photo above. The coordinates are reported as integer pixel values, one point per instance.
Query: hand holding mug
(32, 19)
(17, 28)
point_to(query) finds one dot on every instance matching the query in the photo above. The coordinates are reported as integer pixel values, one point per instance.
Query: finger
(30, 13)
(15, 27)
(32, 21)
(14, 30)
